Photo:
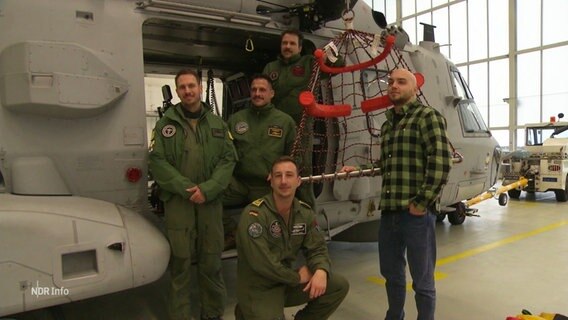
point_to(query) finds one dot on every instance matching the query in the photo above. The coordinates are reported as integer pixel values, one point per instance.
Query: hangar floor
(511, 258)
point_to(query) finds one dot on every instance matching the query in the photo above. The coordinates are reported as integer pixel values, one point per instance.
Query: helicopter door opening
(230, 52)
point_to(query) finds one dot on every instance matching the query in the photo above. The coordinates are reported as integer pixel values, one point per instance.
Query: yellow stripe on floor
(382, 281)
(475, 251)
(490, 246)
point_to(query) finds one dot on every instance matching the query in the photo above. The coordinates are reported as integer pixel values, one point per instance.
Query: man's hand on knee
(317, 284)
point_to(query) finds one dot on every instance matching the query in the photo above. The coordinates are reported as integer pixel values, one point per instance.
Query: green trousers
(268, 303)
(195, 233)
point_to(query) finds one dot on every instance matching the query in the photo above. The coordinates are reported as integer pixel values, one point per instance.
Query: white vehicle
(543, 161)
(73, 141)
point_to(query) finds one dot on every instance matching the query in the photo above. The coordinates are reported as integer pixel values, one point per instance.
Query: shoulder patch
(304, 204)
(258, 202)
(273, 75)
(253, 213)
(168, 131)
(255, 230)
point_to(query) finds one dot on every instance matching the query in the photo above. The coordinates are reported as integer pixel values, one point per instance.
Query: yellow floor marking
(496, 244)
(382, 281)
(472, 252)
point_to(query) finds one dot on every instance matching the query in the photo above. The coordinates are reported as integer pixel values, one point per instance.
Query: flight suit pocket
(180, 242)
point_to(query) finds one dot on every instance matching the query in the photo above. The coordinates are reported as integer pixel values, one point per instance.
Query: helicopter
(74, 142)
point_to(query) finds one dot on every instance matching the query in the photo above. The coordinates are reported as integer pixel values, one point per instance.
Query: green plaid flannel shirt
(415, 157)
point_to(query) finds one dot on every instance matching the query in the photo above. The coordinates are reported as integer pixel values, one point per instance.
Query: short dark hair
(190, 72)
(294, 32)
(261, 76)
(285, 159)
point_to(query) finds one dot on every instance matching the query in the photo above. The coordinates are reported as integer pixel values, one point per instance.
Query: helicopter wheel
(440, 216)
(503, 199)
(457, 217)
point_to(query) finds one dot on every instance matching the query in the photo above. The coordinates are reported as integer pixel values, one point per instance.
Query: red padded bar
(308, 101)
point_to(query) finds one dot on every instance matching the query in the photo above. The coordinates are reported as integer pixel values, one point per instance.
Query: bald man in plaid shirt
(415, 164)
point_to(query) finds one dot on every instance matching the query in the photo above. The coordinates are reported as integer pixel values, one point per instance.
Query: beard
(400, 99)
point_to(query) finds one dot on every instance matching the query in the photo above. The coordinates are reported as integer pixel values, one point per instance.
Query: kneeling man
(271, 232)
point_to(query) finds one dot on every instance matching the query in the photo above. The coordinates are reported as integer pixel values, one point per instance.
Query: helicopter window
(461, 86)
(472, 122)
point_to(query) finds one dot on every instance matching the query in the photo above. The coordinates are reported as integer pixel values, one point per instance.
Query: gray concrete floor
(490, 267)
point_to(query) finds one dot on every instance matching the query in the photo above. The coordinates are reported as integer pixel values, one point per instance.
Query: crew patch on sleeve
(168, 131)
(255, 230)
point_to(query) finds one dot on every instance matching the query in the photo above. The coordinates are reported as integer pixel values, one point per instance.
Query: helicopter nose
(149, 249)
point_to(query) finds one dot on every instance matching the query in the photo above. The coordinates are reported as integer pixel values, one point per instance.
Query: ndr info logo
(49, 291)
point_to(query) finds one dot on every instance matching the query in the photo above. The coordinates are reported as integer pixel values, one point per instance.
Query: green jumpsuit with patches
(289, 78)
(261, 135)
(188, 152)
(267, 247)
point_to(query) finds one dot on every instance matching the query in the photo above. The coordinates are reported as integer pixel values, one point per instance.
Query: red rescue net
(347, 96)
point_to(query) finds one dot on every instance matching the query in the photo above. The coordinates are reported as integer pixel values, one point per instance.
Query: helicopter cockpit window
(461, 86)
(471, 120)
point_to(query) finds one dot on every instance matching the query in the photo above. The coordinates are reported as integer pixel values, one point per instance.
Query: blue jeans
(399, 233)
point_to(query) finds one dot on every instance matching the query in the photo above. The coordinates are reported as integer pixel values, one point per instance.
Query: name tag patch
(218, 133)
(275, 131)
(298, 70)
(299, 229)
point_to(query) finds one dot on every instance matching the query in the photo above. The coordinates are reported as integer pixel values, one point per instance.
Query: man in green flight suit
(261, 135)
(290, 75)
(271, 233)
(192, 158)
